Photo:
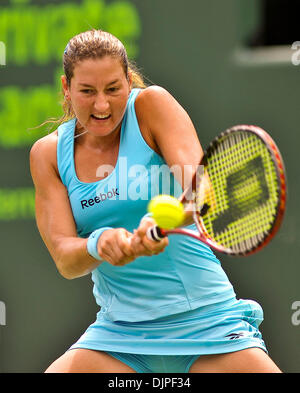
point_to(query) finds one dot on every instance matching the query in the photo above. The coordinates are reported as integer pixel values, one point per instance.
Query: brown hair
(95, 44)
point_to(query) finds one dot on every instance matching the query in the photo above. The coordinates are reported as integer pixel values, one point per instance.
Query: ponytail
(137, 78)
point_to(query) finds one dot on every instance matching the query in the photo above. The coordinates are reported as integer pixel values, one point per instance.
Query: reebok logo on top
(85, 203)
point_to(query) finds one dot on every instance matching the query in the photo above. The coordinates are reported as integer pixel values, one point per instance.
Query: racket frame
(190, 195)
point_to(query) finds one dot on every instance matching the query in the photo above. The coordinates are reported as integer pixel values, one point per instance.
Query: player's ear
(65, 86)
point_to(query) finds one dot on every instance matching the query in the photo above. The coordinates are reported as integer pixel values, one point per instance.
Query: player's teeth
(101, 117)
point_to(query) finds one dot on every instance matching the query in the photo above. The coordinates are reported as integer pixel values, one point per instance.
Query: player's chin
(102, 127)
(100, 132)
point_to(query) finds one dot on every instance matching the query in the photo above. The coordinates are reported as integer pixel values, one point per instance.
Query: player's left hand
(140, 242)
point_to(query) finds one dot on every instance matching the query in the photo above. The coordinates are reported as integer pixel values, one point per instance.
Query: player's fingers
(123, 251)
(124, 243)
(115, 247)
(137, 245)
(141, 250)
(154, 246)
(145, 246)
(145, 223)
(119, 259)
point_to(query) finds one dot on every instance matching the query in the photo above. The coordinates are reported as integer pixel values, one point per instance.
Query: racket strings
(243, 192)
(246, 233)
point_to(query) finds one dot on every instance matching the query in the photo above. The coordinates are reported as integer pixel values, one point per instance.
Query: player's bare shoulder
(44, 147)
(154, 103)
(149, 107)
(43, 156)
(152, 97)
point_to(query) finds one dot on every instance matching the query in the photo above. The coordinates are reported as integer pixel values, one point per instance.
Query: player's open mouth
(100, 117)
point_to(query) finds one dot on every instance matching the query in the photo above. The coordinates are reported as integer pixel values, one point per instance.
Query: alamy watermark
(296, 315)
(2, 53)
(139, 182)
(2, 314)
(296, 55)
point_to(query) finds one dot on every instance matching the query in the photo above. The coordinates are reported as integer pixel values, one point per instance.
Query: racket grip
(155, 233)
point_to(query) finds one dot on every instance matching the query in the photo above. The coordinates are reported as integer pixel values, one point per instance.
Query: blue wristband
(93, 241)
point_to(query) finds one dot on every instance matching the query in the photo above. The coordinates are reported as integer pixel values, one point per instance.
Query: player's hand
(140, 242)
(114, 246)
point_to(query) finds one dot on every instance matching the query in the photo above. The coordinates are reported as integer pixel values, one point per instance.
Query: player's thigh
(251, 360)
(88, 361)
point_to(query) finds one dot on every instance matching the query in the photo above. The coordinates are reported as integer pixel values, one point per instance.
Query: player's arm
(53, 213)
(168, 129)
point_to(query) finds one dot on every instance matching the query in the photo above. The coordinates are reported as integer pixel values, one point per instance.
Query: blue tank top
(185, 276)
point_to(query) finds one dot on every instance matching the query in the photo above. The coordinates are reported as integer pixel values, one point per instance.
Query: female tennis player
(165, 306)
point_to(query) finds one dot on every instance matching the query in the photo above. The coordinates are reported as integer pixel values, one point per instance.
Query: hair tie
(66, 48)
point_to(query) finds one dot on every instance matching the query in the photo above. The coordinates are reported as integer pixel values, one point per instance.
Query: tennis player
(166, 306)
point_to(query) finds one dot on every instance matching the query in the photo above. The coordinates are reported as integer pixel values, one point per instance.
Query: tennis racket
(239, 196)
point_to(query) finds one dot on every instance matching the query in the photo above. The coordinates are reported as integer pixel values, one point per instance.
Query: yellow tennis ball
(167, 211)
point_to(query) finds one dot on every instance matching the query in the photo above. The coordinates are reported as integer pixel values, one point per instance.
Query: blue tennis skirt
(219, 328)
(174, 342)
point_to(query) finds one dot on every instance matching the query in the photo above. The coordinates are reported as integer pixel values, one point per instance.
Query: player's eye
(86, 91)
(112, 89)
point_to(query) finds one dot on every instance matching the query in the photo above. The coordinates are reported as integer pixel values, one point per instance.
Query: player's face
(99, 91)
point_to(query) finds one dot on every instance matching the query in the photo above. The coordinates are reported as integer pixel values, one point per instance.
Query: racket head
(240, 193)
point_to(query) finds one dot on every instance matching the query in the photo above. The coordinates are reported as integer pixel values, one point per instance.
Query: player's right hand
(115, 248)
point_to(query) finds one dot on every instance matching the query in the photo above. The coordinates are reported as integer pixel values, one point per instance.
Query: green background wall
(194, 49)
